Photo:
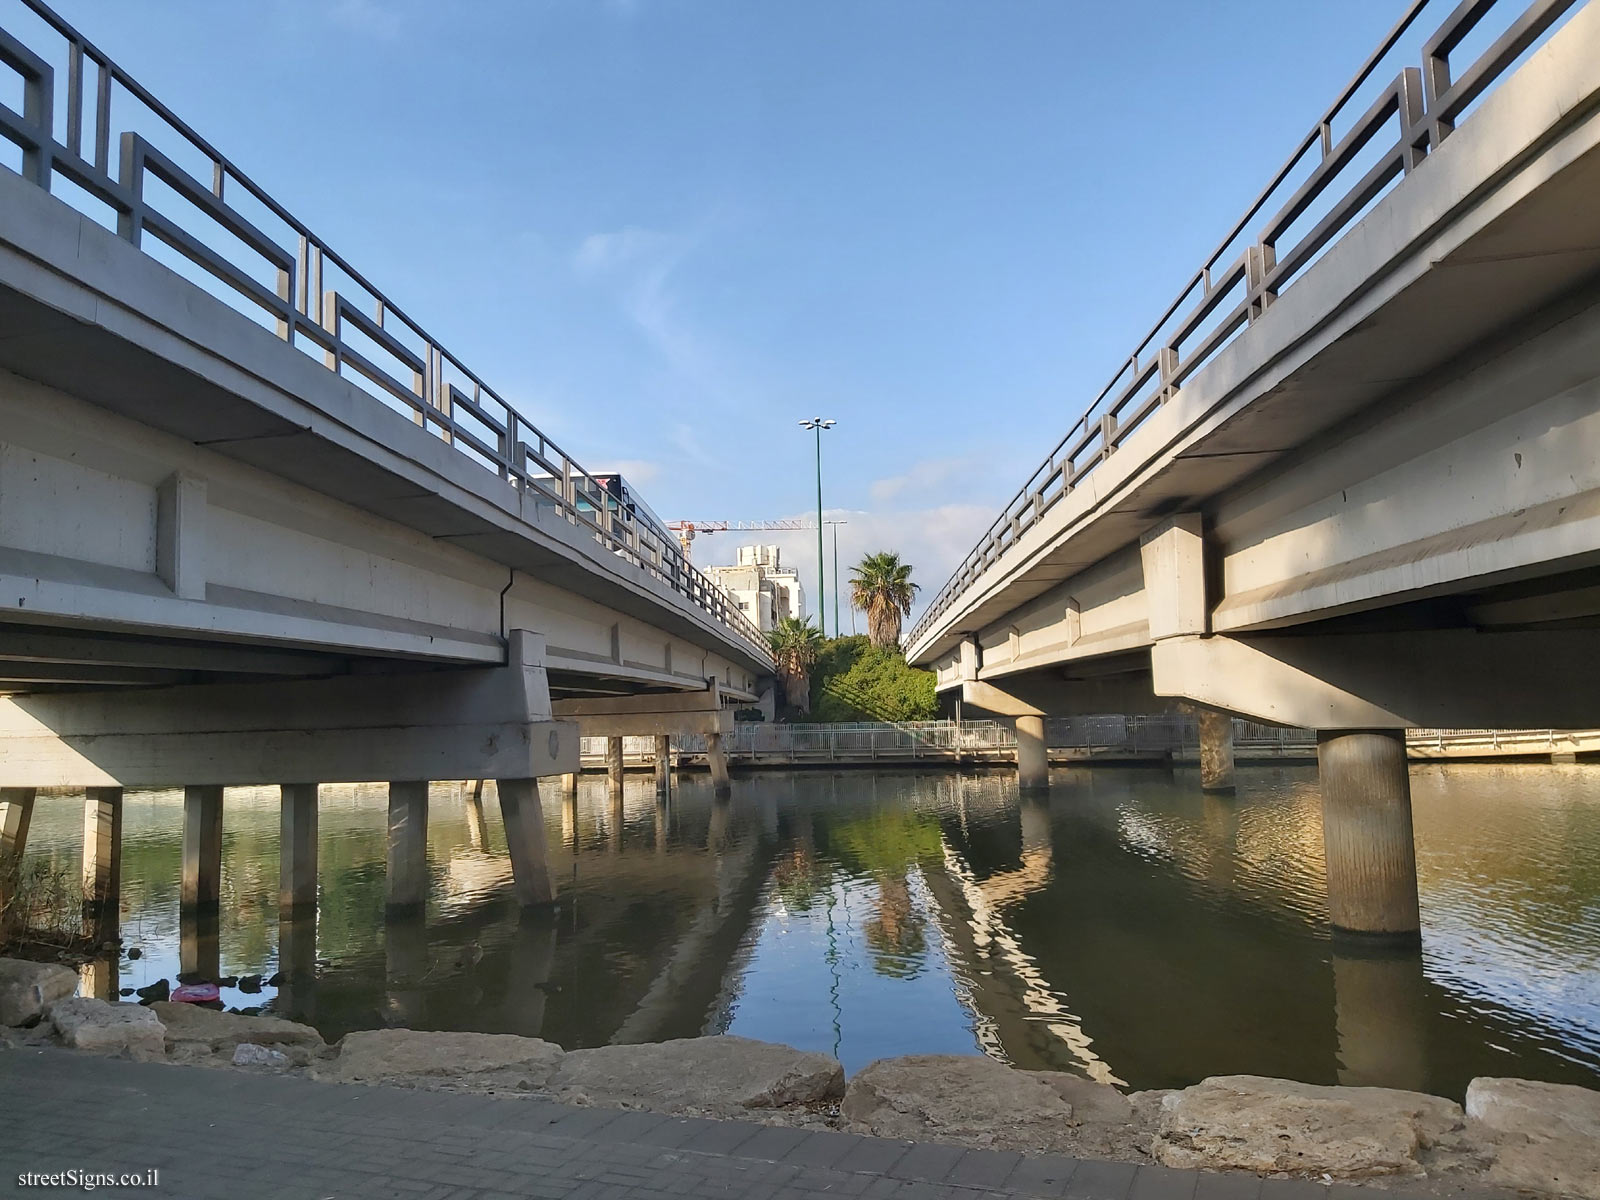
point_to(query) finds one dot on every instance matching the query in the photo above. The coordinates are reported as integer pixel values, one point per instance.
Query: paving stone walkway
(241, 1136)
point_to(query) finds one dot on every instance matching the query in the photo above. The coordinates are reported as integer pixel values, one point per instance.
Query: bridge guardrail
(1326, 185)
(387, 354)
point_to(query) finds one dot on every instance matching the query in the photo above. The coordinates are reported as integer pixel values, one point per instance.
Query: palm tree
(881, 587)
(795, 645)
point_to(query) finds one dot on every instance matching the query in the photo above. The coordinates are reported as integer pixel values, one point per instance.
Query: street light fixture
(818, 424)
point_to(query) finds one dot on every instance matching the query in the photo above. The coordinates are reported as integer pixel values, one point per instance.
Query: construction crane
(687, 531)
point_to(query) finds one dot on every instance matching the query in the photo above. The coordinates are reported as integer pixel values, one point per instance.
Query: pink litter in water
(195, 993)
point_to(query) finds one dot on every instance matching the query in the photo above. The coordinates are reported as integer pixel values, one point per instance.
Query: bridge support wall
(102, 848)
(523, 816)
(614, 767)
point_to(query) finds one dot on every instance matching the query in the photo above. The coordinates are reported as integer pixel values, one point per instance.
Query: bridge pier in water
(202, 847)
(1366, 833)
(663, 764)
(16, 813)
(406, 885)
(1216, 750)
(1033, 758)
(614, 764)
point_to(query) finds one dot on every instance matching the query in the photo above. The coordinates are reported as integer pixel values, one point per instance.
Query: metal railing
(280, 279)
(1108, 734)
(1323, 189)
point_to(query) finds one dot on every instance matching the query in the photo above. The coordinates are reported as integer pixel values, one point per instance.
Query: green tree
(795, 646)
(881, 587)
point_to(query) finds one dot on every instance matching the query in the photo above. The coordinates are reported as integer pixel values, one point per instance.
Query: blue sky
(669, 229)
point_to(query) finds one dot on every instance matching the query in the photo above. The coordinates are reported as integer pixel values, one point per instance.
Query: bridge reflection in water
(1126, 928)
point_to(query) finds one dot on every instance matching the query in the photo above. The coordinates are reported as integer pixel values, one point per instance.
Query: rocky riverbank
(1533, 1137)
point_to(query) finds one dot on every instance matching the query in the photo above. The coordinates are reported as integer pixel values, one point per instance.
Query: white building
(761, 586)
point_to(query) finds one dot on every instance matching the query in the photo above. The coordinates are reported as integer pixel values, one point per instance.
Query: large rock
(220, 1032)
(1092, 1103)
(131, 1029)
(1245, 1122)
(425, 1058)
(707, 1074)
(28, 988)
(963, 1098)
(1546, 1136)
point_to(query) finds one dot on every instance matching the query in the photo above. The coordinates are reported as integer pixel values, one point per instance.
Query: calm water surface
(1130, 929)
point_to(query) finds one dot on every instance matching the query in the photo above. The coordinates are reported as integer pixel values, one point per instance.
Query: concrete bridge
(1350, 480)
(258, 526)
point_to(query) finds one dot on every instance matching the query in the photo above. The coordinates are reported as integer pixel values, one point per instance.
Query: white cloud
(639, 269)
(927, 475)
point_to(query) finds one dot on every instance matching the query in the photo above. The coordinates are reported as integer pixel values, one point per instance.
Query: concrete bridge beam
(461, 723)
(202, 847)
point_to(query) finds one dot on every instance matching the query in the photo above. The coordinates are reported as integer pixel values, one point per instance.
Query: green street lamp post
(818, 424)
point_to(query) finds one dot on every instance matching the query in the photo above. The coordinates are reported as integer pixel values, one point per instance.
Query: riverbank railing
(1374, 134)
(122, 158)
(1154, 736)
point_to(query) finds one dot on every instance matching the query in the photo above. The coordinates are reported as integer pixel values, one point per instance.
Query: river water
(1130, 929)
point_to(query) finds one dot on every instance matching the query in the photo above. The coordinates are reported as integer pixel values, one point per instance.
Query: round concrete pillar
(614, 769)
(1033, 760)
(1366, 833)
(1216, 751)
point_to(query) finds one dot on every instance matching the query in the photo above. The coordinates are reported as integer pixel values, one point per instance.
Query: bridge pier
(406, 887)
(663, 763)
(523, 816)
(102, 849)
(16, 813)
(297, 851)
(202, 847)
(569, 786)
(1216, 750)
(1033, 759)
(614, 766)
(477, 831)
(717, 760)
(1366, 833)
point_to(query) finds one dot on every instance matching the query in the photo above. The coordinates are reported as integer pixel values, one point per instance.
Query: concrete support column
(1366, 833)
(524, 821)
(477, 831)
(408, 846)
(1216, 750)
(202, 847)
(1033, 759)
(663, 759)
(718, 761)
(16, 811)
(297, 852)
(569, 786)
(102, 847)
(614, 763)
